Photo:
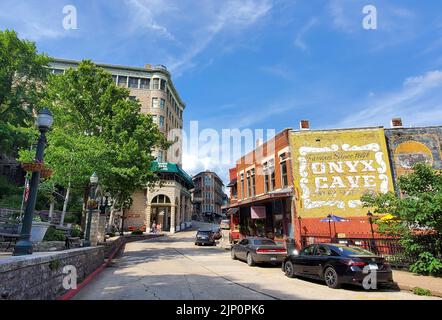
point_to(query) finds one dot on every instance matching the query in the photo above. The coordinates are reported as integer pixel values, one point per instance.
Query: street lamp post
(370, 220)
(300, 232)
(24, 245)
(94, 182)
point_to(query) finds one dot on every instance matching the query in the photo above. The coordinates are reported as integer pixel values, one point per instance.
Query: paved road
(174, 268)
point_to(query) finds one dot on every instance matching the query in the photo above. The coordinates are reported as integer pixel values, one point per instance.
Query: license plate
(373, 266)
(272, 259)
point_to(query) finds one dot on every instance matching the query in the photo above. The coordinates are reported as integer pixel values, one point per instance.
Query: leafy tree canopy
(22, 76)
(417, 216)
(98, 128)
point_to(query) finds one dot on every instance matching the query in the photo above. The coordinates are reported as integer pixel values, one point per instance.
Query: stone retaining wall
(40, 275)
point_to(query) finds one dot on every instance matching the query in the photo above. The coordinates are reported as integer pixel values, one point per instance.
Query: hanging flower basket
(32, 166)
(46, 172)
(92, 204)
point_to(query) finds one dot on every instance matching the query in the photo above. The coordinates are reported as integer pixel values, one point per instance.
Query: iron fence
(389, 248)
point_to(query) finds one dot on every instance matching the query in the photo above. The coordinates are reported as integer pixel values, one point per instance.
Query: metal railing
(389, 248)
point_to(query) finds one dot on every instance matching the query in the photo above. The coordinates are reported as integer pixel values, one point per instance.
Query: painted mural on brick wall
(332, 170)
(411, 145)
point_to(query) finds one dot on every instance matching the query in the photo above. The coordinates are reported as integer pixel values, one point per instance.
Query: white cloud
(418, 102)
(194, 25)
(299, 40)
(33, 20)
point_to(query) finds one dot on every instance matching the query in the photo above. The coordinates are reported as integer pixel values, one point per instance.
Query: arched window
(160, 199)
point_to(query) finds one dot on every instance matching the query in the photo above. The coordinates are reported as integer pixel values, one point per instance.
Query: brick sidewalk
(408, 281)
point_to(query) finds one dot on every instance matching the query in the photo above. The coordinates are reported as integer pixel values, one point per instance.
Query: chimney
(148, 66)
(396, 123)
(258, 142)
(304, 125)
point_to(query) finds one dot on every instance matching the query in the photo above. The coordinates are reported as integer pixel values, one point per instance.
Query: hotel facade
(168, 202)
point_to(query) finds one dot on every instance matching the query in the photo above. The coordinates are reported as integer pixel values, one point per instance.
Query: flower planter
(46, 173)
(38, 230)
(32, 166)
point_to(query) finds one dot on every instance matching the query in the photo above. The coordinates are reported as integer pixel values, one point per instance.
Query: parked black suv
(204, 237)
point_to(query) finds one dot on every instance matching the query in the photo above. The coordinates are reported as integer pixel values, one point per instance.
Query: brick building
(208, 194)
(414, 144)
(261, 189)
(168, 202)
(328, 172)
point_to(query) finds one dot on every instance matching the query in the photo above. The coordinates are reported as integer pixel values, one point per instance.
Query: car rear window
(348, 251)
(204, 232)
(264, 242)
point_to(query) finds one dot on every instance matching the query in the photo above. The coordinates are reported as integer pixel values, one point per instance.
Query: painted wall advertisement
(334, 168)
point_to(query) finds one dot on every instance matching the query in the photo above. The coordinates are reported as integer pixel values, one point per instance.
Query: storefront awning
(169, 167)
(278, 194)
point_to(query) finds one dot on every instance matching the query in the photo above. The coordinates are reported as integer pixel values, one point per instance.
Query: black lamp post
(370, 220)
(94, 182)
(24, 245)
(300, 232)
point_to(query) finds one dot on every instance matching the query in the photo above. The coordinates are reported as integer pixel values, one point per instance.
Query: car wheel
(232, 254)
(331, 278)
(289, 269)
(250, 260)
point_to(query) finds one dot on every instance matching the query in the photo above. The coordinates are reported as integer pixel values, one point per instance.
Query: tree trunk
(65, 204)
(84, 213)
(51, 210)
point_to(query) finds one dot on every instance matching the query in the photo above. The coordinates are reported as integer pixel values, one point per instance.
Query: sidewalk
(408, 281)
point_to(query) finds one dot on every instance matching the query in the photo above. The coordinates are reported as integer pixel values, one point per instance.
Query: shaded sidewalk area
(408, 281)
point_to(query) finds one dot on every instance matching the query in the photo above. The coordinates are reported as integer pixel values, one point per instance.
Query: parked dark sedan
(204, 237)
(337, 264)
(258, 250)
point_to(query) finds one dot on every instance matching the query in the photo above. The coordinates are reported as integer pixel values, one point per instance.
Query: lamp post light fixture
(24, 245)
(93, 185)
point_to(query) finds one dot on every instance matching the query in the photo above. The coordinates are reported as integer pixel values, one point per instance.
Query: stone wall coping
(17, 262)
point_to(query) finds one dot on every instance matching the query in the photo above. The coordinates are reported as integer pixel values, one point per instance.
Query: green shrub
(54, 235)
(421, 292)
(72, 218)
(76, 231)
(137, 232)
(427, 264)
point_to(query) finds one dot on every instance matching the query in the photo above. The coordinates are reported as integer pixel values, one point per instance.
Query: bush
(76, 231)
(72, 218)
(137, 232)
(427, 264)
(421, 292)
(54, 235)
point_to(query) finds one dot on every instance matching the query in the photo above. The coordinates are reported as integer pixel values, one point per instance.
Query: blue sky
(261, 63)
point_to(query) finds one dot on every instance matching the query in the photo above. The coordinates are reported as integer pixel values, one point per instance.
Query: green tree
(22, 76)
(417, 216)
(98, 128)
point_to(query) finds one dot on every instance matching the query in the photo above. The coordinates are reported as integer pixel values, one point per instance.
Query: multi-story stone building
(208, 194)
(168, 202)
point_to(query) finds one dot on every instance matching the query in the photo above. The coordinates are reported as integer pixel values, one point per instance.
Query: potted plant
(39, 229)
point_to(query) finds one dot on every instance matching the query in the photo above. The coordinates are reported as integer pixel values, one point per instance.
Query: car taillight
(270, 251)
(355, 263)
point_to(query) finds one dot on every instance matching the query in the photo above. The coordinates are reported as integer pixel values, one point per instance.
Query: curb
(410, 288)
(72, 292)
